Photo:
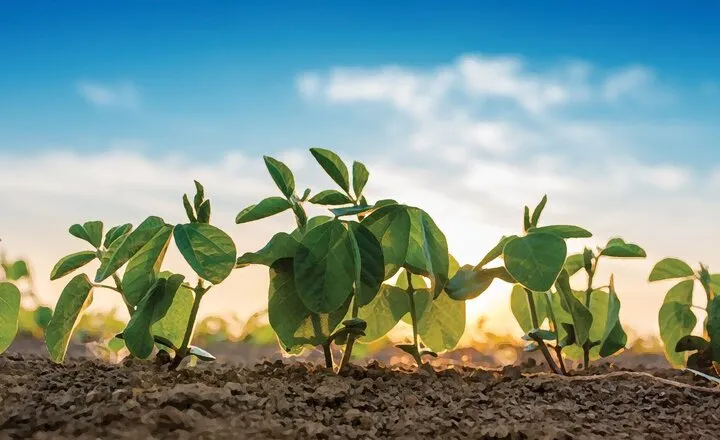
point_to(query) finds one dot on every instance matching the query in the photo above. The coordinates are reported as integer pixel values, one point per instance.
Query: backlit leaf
(372, 268)
(9, 311)
(384, 312)
(442, 325)
(144, 266)
(208, 250)
(535, 260)
(582, 318)
(617, 247)
(538, 210)
(128, 246)
(676, 319)
(495, 252)
(391, 226)
(562, 231)
(116, 232)
(173, 325)
(333, 166)
(330, 197)
(360, 178)
(574, 264)
(427, 253)
(670, 268)
(71, 263)
(521, 309)
(281, 245)
(89, 231)
(74, 299)
(281, 175)
(266, 208)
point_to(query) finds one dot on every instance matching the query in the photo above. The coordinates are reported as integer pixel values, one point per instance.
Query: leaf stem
(588, 294)
(538, 340)
(413, 317)
(182, 352)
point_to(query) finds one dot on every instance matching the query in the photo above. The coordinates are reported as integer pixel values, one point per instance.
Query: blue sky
(110, 109)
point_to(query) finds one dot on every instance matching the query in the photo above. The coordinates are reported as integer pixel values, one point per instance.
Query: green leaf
(71, 263)
(526, 219)
(189, 211)
(562, 231)
(281, 175)
(574, 263)
(372, 267)
(16, 270)
(333, 166)
(360, 178)
(116, 232)
(588, 260)
(521, 309)
(9, 311)
(442, 325)
(545, 335)
(617, 247)
(266, 208)
(535, 260)
(291, 320)
(152, 308)
(715, 283)
(469, 283)
(384, 312)
(89, 231)
(204, 211)
(670, 268)
(74, 299)
(614, 337)
(201, 354)
(128, 246)
(199, 195)
(281, 245)
(330, 197)
(351, 210)
(538, 210)
(427, 253)
(495, 252)
(324, 268)
(713, 327)
(42, 316)
(173, 325)
(209, 251)
(691, 343)
(312, 222)
(676, 319)
(391, 226)
(143, 268)
(582, 318)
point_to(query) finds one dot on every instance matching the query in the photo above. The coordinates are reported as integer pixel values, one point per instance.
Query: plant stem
(588, 294)
(317, 328)
(350, 339)
(554, 329)
(183, 349)
(413, 317)
(329, 362)
(119, 289)
(539, 341)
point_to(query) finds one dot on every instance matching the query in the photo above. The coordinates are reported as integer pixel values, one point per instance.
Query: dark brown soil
(285, 400)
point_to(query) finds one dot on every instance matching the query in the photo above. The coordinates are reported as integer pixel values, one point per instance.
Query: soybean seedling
(163, 307)
(677, 317)
(10, 297)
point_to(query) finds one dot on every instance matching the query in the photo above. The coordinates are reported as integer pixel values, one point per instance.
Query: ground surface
(288, 400)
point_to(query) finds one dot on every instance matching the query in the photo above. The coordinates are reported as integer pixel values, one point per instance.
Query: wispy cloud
(123, 94)
(631, 81)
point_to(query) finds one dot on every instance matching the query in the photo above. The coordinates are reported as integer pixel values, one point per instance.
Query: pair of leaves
(199, 210)
(338, 172)
(90, 232)
(9, 311)
(410, 239)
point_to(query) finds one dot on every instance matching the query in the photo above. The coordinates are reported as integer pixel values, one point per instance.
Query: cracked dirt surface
(286, 400)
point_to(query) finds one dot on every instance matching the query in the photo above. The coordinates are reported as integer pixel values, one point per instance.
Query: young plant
(325, 267)
(162, 306)
(606, 335)
(677, 319)
(32, 320)
(533, 262)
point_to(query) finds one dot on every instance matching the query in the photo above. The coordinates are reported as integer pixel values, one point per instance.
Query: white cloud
(123, 94)
(631, 81)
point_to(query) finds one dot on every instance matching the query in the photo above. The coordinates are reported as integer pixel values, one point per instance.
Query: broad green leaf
(128, 246)
(670, 268)
(535, 260)
(281, 245)
(351, 210)
(89, 231)
(574, 263)
(384, 312)
(71, 263)
(691, 343)
(469, 283)
(324, 267)
(266, 208)
(173, 325)
(427, 253)
(614, 337)
(74, 299)
(521, 308)
(333, 166)
(208, 250)
(294, 324)
(617, 247)
(360, 178)
(443, 323)
(116, 232)
(391, 226)
(144, 266)
(330, 197)
(713, 327)
(582, 318)
(676, 319)
(9, 311)
(312, 222)
(495, 252)
(562, 231)
(372, 267)
(152, 308)
(281, 175)
(201, 354)
(538, 210)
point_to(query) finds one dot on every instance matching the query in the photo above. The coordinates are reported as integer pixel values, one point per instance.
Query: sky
(109, 110)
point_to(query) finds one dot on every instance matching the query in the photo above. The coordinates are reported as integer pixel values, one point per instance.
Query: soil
(89, 399)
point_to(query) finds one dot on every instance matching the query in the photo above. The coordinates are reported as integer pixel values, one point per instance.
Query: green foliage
(9, 311)
(74, 299)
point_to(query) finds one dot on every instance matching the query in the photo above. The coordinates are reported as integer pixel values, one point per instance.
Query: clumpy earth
(89, 399)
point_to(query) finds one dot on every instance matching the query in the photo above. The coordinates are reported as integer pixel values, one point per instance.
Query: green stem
(317, 328)
(539, 341)
(355, 306)
(182, 351)
(413, 317)
(588, 294)
(554, 329)
(350, 340)
(119, 289)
